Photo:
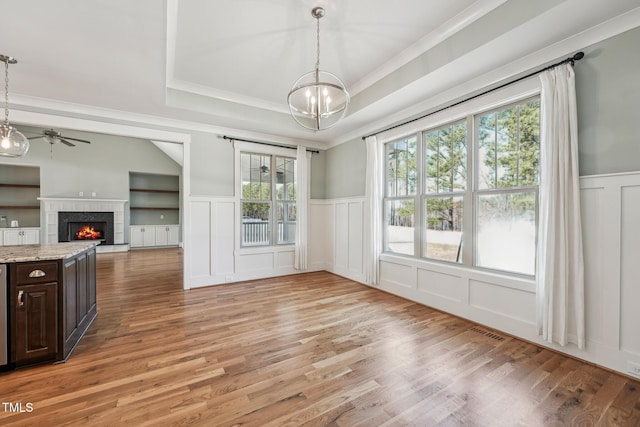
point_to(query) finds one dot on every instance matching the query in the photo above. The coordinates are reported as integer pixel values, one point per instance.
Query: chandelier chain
(317, 43)
(6, 92)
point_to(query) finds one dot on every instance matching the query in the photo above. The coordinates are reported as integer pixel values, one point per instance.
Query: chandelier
(13, 143)
(318, 99)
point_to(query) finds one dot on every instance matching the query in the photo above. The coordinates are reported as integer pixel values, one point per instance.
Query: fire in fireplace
(88, 232)
(85, 226)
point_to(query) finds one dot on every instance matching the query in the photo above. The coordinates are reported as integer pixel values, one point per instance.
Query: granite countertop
(49, 251)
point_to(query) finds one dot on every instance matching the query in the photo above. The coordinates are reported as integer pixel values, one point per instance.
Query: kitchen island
(51, 299)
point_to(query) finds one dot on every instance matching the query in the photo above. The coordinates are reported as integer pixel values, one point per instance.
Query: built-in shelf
(139, 208)
(19, 192)
(19, 207)
(146, 190)
(154, 199)
(19, 185)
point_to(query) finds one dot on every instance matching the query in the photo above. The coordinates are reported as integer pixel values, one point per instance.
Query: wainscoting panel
(200, 240)
(441, 285)
(502, 301)
(223, 237)
(320, 231)
(347, 238)
(630, 269)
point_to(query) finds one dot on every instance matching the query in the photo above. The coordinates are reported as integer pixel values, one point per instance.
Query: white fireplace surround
(53, 205)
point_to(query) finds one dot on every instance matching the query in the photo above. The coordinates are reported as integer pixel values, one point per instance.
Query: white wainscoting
(214, 253)
(611, 233)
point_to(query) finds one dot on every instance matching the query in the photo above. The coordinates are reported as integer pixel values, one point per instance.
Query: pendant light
(12, 142)
(318, 99)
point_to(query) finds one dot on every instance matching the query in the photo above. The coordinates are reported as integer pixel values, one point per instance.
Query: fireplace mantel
(53, 205)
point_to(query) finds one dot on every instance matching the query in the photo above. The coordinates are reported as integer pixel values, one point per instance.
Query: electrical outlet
(228, 279)
(81, 193)
(93, 194)
(161, 216)
(633, 368)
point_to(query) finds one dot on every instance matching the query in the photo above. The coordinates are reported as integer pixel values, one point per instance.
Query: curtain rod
(572, 59)
(272, 144)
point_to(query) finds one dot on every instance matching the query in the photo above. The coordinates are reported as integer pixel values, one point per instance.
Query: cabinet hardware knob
(20, 298)
(37, 273)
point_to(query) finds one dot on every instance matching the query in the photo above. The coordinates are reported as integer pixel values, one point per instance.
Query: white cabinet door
(161, 235)
(21, 236)
(30, 236)
(148, 235)
(173, 235)
(12, 237)
(137, 237)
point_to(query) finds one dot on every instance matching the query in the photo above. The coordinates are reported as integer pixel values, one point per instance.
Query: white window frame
(512, 94)
(248, 147)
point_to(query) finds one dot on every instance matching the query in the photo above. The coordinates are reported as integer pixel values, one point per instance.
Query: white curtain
(560, 268)
(373, 211)
(302, 202)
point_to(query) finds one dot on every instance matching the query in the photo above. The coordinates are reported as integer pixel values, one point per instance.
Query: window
(484, 169)
(268, 199)
(399, 204)
(507, 190)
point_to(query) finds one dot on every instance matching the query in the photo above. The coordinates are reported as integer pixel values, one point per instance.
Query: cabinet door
(161, 235)
(173, 233)
(35, 331)
(12, 237)
(148, 235)
(30, 237)
(137, 237)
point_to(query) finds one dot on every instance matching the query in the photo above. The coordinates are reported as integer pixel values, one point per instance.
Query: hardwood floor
(312, 349)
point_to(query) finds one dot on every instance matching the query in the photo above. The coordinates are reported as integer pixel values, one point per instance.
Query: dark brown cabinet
(79, 307)
(35, 323)
(34, 310)
(52, 303)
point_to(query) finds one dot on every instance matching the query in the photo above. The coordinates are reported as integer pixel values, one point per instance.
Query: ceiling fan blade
(65, 142)
(79, 140)
(35, 137)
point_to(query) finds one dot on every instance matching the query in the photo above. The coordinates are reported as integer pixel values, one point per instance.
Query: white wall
(611, 230)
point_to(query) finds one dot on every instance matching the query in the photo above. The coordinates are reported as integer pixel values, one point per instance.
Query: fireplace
(96, 226)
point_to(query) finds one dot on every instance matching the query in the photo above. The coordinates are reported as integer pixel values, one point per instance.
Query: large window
(473, 181)
(268, 199)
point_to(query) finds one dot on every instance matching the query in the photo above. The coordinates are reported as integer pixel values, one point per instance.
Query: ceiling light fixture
(13, 143)
(318, 99)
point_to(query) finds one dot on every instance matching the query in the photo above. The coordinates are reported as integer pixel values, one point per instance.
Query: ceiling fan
(53, 136)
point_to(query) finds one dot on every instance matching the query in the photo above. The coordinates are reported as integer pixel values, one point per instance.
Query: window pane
(446, 159)
(399, 216)
(285, 178)
(529, 142)
(506, 235)
(509, 146)
(256, 176)
(255, 223)
(443, 235)
(401, 167)
(286, 221)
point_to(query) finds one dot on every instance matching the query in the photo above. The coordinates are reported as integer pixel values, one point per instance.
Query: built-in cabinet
(20, 236)
(19, 192)
(154, 206)
(154, 235)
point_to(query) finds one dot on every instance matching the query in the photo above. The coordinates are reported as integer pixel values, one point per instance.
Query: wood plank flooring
(307, 350)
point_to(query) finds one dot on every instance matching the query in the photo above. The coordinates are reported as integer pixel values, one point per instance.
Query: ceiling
(227, 66)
